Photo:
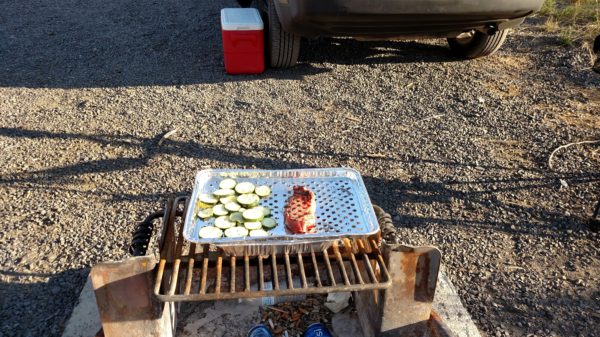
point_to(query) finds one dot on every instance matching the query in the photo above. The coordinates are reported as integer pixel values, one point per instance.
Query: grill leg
(404, 309)
(124, 297)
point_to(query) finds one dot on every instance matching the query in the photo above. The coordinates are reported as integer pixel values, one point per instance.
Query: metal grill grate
(193, 272)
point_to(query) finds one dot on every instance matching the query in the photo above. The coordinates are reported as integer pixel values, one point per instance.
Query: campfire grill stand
(393, 285)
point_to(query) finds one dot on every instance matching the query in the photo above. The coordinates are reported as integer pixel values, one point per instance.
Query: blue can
(317, 330)
(260, 330)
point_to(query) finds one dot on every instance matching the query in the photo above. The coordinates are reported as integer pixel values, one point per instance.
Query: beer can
(317, 330)
(260, 330)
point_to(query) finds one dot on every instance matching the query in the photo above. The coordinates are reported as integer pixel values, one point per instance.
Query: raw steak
(300, 211)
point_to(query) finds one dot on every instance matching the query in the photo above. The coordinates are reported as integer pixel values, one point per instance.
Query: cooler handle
(245, 38)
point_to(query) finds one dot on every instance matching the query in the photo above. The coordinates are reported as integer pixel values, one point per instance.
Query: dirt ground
(457, 151)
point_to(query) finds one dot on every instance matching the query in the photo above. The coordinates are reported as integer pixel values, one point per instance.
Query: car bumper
(398, 18)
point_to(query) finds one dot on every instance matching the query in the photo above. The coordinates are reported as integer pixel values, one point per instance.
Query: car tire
(283, 47)
(477, 44)
(244, 3)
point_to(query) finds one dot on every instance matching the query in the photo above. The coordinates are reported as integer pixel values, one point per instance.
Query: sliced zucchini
(200, 204)
(223, 222)
(210, 232)
(205, 213)
(266, 211)
(223, 192)
(253, 214)
(248, 199)
(227, 200)
(252, 225)
(227, 184)
(269, 223)
(242, 209)
(207, 199)
(219, 210)
(232, 206)
(258, 232)
(263, 191)
(244, 188)
(236, 217)
(236, 232)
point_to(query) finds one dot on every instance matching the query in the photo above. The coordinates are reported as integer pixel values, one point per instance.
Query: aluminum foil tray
(343, 210)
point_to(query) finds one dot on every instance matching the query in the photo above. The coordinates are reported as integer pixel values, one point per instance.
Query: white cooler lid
(241, 19)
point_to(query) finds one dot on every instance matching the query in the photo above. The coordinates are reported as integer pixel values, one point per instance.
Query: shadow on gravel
(462, 200)
(111, 43)
(29, 307)
(150, 147)
(350, 51)
(465, 195)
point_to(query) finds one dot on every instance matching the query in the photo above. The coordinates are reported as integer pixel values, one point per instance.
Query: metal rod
(288, 271)
(174, 276)
(302, 273)
(329, 270)
(367, 263)
(178, 247)
(232, 278)
(272, 293)
(219, 272)
(165, 249)
(159, 275)
(338, 256)
(261, 274)
(179, 242)
(361, 246)
(374, 246)
(169, 224)
(380, 259)
(347, 246)
(316, 267)
(247, 272)
(204, 269)
(190, 270)
(349, 251)
(274, 266)
(356, 270)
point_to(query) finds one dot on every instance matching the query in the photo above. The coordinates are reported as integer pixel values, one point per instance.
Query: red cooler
(243, 41)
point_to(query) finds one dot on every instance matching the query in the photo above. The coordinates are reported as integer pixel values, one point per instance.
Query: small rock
(337, 301)
(563, 184)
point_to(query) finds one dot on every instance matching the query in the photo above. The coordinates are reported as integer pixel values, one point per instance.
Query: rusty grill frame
(174, 283)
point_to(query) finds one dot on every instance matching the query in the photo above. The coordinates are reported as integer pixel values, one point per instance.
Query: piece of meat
(300, 211)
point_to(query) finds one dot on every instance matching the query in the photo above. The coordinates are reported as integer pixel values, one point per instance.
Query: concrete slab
(216, 319)
(448, 305)
(85, 320)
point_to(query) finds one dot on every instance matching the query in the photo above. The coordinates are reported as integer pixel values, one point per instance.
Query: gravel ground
(456, 151)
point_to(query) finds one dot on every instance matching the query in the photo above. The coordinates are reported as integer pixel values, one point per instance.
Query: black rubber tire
(244, 3)
(283, 47)
(479, 45)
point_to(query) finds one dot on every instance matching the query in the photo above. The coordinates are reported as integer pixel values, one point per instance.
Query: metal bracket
(124, 297)
(404, 309)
